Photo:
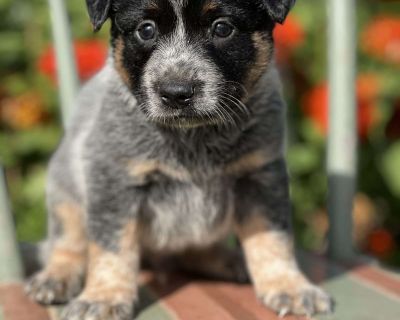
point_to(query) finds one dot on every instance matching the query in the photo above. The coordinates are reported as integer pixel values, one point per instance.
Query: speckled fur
(137, 180)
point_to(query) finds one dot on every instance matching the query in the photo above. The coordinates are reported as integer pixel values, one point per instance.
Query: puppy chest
(177, 215)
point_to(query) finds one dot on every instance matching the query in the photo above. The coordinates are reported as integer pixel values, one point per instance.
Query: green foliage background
(25, 31)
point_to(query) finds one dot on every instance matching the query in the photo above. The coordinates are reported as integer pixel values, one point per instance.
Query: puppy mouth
(183, 119)
(221, 111)
(193, 119)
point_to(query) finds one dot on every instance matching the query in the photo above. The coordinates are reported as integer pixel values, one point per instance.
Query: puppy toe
(323, 302)
(46, 288)
(88, 310)
(307, 300)
(76, 310)
(280, 303)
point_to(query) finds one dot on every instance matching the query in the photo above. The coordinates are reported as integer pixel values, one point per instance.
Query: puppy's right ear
(98, 12)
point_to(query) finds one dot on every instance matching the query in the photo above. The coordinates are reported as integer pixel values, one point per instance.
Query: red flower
(288, 37)
(381, 39)
(90, 57)
(316, 104)
(381, 243)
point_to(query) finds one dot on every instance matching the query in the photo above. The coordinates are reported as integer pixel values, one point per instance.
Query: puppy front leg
(62, 278)
(264, 229)
(111, 287)
(114, 255)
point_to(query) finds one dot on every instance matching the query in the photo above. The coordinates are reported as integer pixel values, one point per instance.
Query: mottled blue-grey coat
(175, 144)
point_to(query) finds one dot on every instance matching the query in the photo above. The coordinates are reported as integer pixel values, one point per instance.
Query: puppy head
(191, 62)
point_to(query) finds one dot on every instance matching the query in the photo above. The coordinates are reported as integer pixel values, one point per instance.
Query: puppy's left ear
(279, 9)
(98, 12)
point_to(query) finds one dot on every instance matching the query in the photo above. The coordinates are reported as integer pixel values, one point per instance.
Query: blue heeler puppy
(177, 142)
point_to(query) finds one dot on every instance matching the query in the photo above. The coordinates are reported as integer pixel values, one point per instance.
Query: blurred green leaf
(30, 144)
(303, 158)
(11, 47)
(390, 168)
(29, 205)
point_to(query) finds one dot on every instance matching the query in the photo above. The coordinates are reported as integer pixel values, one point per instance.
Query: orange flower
(288, 37)
(367, 87)
(90, 57)
(381, 243)
(22, 112)
(381, 39)
(315, 104)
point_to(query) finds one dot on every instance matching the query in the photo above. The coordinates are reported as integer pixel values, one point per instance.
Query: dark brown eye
(147, 30)
(222, 29)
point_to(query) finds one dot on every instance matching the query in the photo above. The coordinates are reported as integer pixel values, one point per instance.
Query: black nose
(177, 95)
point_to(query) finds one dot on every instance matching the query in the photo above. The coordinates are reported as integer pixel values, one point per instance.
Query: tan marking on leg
(73, 225)
(69, 252)
(250, 162)
(141, 169)
(64, 263)
(61, 280)
(273, 268)
(112, 276)
(119, 60)
(269, 253)
(262, 59)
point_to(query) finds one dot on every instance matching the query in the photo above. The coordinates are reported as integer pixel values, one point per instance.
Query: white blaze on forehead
(178, 6)
(177, 56)
(179, 3)
(176, 48)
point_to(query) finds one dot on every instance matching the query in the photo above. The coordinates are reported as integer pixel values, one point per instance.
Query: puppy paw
(298, 299)
(47, 288)
(90, 310)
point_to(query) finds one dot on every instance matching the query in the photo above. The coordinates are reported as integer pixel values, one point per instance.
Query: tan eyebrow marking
(153, 5)
(209, 6)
